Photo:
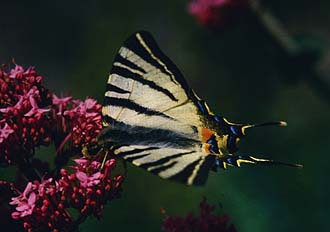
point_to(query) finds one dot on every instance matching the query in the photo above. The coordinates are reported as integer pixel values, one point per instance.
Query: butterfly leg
(104, 159)
(108, 151)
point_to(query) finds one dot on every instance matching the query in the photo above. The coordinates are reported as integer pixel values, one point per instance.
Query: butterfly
(153, 119)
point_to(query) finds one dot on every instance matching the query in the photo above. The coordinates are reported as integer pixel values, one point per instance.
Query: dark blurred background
(238, 71)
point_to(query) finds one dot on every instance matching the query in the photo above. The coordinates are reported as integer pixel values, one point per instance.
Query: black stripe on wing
(107, 119)
(163, 168)
(126, 103)
(128, 63)
(135, 76)
(202, 172)
(116, 89)
(136, 150)
(164, 160)
(130, 159)
(122, 133)
(135, 45)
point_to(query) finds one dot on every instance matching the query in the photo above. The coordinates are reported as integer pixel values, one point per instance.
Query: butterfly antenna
(279, 123)
(237, 160)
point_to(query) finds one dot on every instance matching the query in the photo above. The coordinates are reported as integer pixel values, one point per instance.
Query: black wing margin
(134, 44)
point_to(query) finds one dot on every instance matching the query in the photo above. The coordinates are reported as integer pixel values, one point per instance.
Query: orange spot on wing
(206, 147)
(206, 134)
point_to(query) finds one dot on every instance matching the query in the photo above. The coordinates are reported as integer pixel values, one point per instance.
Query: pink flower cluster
(90, 186)
(24, 103)
(85, 121)
(205, 222)
(31, 116)
(33, 193)
(86, 190)
(216, 13)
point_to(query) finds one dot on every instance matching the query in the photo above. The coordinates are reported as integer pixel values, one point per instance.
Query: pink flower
(46, 187)
(214, 13)
(88, 180)
(82, 163)
(5, 132)
(35, 110)
(25, 202)
(86, 107)
(14, 108)
(61, 102)
(87, 172)
(90, 103)
(38, 207)
(17, 72)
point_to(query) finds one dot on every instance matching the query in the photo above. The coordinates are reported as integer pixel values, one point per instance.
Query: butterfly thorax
(213, 142)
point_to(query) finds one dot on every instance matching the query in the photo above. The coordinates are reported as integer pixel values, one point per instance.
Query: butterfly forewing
(143, 83)
(151, 115)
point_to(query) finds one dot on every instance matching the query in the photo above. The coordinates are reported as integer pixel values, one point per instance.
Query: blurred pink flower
(215, 13)
(205, 222)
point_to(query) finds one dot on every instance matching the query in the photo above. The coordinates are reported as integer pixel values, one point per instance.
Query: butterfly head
(232, 132)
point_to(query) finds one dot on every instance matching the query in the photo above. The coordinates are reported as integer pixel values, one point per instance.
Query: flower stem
(275, 28)
(300, 62)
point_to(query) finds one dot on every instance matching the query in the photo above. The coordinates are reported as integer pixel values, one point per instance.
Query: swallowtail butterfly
(153, 119)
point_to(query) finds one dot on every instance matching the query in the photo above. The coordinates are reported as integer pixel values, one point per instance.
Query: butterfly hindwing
(183, 165)
(151, 114)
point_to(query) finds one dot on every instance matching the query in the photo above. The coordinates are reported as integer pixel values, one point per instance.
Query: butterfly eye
(236, 131)
(213, 145)
(232, 144)
(217, 119)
